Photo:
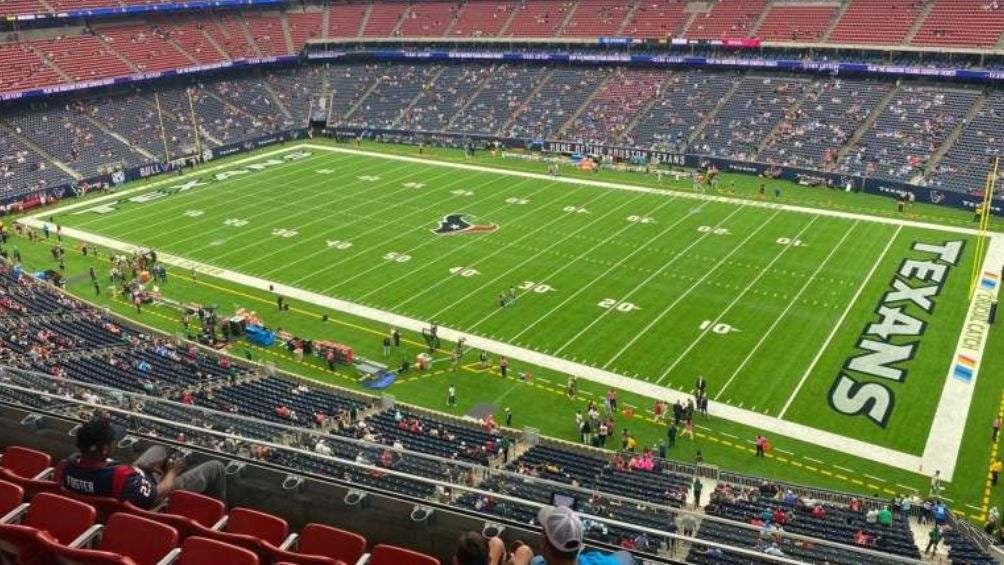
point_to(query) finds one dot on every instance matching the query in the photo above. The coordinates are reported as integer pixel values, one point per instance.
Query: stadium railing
(46, 399)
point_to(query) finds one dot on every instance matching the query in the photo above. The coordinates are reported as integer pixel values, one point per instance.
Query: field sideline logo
(452, 224)
(892, 340)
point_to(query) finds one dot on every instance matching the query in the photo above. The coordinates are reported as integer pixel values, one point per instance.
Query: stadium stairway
(919, 22)
(629, 16)
(790, 113)
(40, 151)
(941, 151)
(362, 99)
(867, 124)
(115, 52)
(283, 107)
(49, 63)
(844, 5)
(211, 39)
(644, 111)
(563, 129)
(531, 95)
(431, 84)
(710, 116)
(504, 30)
(111, 133)
(920, 532)
(287, 35)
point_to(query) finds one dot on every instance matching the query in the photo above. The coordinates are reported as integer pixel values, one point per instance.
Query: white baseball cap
(562, 528)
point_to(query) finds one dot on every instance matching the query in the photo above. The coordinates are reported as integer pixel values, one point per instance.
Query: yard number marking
(539, 288)
(719, 328)
(640, 220)
(397, 257)
(465, 272)
(617, 305)
(713, 230)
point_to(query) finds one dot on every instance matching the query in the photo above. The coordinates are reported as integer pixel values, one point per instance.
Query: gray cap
(562, 528)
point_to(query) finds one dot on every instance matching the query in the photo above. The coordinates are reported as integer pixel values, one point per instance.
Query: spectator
(562, 543)
(885, 517)
(934, 538)
(148, 480)
(472, 549)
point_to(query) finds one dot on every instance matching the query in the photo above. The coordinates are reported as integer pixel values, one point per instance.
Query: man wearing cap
(153, 475)
(562, 543)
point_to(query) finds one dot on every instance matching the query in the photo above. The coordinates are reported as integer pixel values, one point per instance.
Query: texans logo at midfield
(456, 223)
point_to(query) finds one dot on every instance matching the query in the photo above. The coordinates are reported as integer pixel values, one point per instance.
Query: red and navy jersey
(107, 478)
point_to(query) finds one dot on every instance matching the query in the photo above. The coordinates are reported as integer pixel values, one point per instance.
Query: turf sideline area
(942, 457)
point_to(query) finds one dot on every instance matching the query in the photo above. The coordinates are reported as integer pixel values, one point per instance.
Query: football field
(838, 322)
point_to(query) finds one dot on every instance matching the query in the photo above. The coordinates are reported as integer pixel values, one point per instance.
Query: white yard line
(644, 331)
(321, 237)
(308, 188)
(567, 264)
(557, 241)
(611, 269)
(471, 241)
(787, 308)
(169, 179)
(823, 438)
(949, 424)
(363, 200)
(840, 322)
(649, 190)
(749, 286)
(380, 227)
(768, 424)
(198, 195)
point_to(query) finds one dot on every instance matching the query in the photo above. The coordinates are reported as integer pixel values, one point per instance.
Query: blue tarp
(259, 336)
(382, 380)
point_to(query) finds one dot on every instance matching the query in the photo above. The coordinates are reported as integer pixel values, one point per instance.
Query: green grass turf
(665, 268)
(536, 239)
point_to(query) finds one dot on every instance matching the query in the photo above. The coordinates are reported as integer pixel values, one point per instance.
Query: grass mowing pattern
(635, 283)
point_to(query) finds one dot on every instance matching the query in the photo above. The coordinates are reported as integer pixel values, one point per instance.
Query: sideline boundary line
(948, 427)
(858, 448)
(638, 188)
(830, 440)
(840, 322)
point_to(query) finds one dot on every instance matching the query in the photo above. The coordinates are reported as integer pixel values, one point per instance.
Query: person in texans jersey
(144, 483)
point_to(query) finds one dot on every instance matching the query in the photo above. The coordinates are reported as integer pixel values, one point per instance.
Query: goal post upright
(983, 234)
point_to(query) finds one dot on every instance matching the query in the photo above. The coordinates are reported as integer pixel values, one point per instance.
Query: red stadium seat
(11, 495)
(24, 462)
(23, 466)
(105, 505)
(323, 545)
(390, 555)
(203, 551)
(318, 539)
(63, 519)
(268, 528)
(251, 543)
(203, 509)
(144, 541)
(126, 540)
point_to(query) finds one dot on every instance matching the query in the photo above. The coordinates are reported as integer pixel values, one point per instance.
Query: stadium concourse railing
(645, 157)
(209, 432)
